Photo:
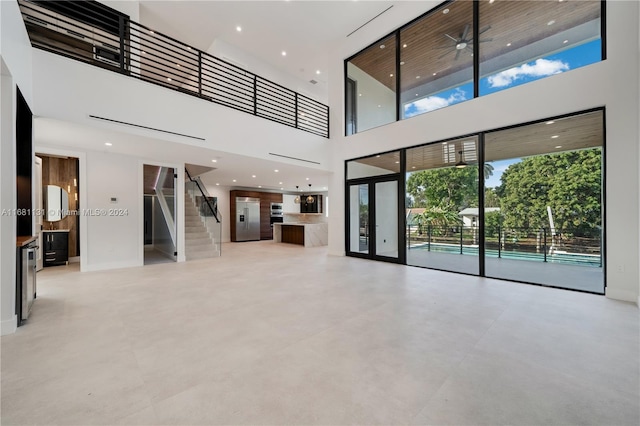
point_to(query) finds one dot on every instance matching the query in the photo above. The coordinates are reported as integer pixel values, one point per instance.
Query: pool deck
(575, 277)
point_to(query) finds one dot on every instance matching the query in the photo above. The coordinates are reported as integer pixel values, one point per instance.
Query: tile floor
(280, 334)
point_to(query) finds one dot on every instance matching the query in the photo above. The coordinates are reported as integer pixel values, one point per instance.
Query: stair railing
(207, 208)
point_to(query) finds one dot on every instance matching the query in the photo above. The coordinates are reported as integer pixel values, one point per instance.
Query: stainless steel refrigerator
(247, 219)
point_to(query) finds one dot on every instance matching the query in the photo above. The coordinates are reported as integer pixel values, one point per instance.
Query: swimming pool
(591, 260)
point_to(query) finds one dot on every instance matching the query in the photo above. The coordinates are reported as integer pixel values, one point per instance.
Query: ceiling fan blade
(457, 55)
(444, 54)
(465, 32)
(454, 39)
(486, 39)
(487, 28)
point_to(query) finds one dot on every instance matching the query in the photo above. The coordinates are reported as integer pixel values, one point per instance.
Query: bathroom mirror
(56, 203)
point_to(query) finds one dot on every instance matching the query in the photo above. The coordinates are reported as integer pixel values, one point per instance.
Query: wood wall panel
(63, 172)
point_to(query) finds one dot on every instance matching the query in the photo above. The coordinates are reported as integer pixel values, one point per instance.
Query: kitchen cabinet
(315, 207)
(56, 247)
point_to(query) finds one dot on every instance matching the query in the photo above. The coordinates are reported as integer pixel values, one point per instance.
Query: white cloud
(431, 103)
(540, 68)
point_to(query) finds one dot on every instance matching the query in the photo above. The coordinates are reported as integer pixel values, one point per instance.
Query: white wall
(376, 103)
(113, 241)
(612, 83)
(71, 91)
(15, 69)
(129, 7)
(222, 193)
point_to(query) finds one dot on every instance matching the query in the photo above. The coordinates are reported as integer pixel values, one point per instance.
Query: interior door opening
(159, 223)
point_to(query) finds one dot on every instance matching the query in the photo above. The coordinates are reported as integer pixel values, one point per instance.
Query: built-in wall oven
(277, 215)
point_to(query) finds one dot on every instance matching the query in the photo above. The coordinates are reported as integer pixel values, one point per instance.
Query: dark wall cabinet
(56, 248)
(315, 207)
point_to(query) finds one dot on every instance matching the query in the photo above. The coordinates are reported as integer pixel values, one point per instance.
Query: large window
(431, 62)
(436, 60)
(522, 203)
(523, 41)
(373, 76)
(544, 187)
(442, 185)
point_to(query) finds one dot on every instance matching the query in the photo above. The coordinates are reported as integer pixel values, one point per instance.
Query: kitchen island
(305, 234)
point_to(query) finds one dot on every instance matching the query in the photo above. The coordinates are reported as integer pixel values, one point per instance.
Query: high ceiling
(306, 30)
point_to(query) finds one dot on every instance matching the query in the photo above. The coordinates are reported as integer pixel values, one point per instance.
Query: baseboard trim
(624, 295)
(9, 326)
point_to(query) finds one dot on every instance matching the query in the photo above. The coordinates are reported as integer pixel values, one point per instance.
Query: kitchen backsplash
(305, 217)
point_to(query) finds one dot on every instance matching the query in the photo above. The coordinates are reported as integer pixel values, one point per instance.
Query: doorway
(159, 218)
(373, 213)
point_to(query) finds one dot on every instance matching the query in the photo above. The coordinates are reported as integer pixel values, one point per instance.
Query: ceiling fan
(464, 42)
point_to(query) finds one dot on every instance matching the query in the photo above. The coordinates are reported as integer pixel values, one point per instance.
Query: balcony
(97, 35)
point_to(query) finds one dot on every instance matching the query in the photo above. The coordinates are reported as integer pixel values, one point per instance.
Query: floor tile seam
(580, 380)
(326, 329)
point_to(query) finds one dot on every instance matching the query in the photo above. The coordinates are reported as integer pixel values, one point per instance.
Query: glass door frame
(371, 182)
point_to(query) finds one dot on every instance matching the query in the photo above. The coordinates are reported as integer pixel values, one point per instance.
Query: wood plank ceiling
(550, 137)
(428, 52)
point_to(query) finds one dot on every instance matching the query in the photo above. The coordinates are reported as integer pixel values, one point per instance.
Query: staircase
(199, 241)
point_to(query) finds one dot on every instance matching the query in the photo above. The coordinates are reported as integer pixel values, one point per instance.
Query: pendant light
(310, 198)
(461, 164)
(297, 199)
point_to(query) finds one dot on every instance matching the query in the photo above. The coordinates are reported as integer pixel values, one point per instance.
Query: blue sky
(566, 60)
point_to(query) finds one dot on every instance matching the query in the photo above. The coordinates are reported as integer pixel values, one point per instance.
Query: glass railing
(124, 46)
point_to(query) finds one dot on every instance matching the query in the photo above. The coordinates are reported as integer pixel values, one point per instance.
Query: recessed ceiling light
(238, 28)
(404, 45)
(377, 156)
(259, 186)
(444, 12)
(317, 72)
(279, 183)
(178, 65)
(379, 106)
(108, 143)
(444, 143)
(558, 146)
(397, 162)
(188, 48)
(508, 44)
(551, 22)
(307, 178)
(413, 167)
(253, 176)
(435, 73)
(565, 42)
(217, 184)
(555, 137)
(169, 79)
(416, 94)
(390, 75)
(550, 122)
(276, 170)
(401, 62)
(359, 94)
(417, 76)
(144, 53)
(382, 46)
(151, 32)
(234, 180)
(284, 53)
(281, 189)
(214, 161)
